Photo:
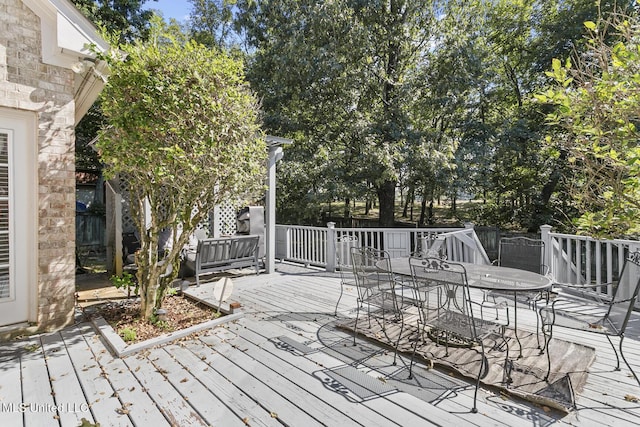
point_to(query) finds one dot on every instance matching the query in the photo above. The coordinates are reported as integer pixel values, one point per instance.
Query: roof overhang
(66, 39)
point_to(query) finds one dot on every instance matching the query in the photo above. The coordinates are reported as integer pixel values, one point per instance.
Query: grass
(442, 212)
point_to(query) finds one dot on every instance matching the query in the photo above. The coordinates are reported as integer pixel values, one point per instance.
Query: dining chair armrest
(582, 290)
(584, 286)
(572, 291)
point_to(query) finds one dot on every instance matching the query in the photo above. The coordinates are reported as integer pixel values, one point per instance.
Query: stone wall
(28, 84)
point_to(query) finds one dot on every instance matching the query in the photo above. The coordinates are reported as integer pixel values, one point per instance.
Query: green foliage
(183, 132)
(598, 106)
(125, 281)
(86, 423)
(122, 20)
(336, 77)
(161, 324)
(128, 334)
(126, 18)
(433, 96)
(211, 23)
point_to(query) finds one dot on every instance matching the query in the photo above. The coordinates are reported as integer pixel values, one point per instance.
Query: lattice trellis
(128, 225)
(222, 221)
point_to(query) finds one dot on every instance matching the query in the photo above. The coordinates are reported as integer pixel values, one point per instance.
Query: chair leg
(506, 359)
(395, 354)
(355, 325)
(484, 365)
(548, 335)
(415, 348)
(625, 361)
(538, 323)
(617, 368)
(339, 298)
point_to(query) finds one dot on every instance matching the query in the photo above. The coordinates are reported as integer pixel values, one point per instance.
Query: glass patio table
(494, 278)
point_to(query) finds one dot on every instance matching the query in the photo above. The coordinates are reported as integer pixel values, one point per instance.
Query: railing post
(545, 236)
(331, 247)
(468, 255)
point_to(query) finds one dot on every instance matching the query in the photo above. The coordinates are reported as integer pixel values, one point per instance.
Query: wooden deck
(283, 363)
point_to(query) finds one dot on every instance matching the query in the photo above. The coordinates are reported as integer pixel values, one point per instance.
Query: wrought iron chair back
(528, 254)
(376, 285)
(522, 253)
(425, 287)
(449, 321)
(343, 245)
(625, 295)
(590, 312)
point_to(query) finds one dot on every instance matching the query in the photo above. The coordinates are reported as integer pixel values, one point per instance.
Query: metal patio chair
(447, 313)
(522, 253)
(377, 291)
(343, 245)
(584, 307)
(527, 254)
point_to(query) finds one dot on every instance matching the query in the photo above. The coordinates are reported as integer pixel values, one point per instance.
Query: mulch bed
(182, 312)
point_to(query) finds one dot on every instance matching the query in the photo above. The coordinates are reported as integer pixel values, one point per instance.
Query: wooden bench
(223, 253)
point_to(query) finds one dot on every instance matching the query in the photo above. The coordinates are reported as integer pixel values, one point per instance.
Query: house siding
(29, 85)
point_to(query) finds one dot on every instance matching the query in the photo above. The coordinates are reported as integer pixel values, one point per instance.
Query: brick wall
(28, 84)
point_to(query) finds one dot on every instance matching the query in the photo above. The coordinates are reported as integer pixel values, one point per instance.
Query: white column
(545, 236)
(275, 154)
(331, 247)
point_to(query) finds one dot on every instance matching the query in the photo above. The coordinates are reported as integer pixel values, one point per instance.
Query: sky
(178, 9)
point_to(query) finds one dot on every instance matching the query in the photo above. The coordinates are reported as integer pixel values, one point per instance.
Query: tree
(124, 18)
(211, 23)
(598, 106)
(337, 74)
(183, 131)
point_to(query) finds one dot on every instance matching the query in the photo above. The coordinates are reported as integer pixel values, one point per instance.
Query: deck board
(267, 394)
(208, 406)
(306, 369)
(68, 393)
(102, 400)
(176, 409)
(285, 363)
(36, 386)
(271, 371)
(10, 404)
(135, 402)
(383, 367)
(238, 402)
(303, 370)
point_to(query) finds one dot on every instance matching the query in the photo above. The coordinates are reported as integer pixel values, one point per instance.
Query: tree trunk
(409, 202)
(430, 217)
(386, 201)
(423, 211)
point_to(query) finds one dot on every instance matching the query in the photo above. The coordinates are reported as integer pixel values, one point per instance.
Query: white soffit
(66, 33)
(66, 37)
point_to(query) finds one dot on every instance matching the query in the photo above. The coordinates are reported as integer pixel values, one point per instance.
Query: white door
(17, 213)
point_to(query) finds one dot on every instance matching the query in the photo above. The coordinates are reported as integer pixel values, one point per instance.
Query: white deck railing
(316, 245)
(571, 259)
(584, 260)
